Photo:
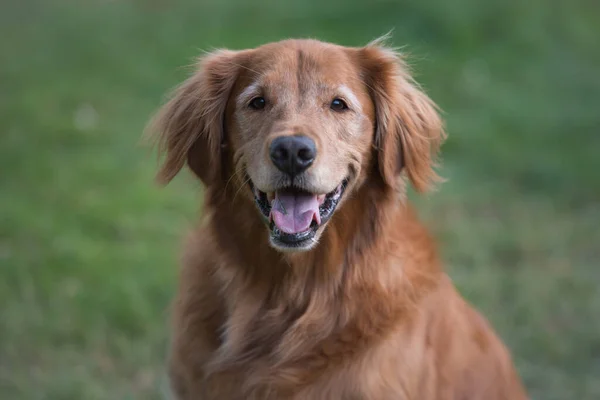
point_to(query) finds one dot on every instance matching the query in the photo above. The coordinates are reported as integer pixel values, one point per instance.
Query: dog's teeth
(338, 192)
(271, 196)
(321, 198)
(317, 218)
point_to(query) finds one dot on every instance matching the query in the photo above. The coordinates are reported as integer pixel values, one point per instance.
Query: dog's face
(297, 126)
(301, 128)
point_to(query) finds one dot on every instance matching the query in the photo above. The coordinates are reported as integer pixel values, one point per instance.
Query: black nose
(293, 154)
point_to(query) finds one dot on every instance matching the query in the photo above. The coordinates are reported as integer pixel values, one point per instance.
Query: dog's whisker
(244, 183)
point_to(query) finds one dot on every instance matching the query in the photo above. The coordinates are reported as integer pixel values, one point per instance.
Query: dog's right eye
(257, 103)
(338, 105)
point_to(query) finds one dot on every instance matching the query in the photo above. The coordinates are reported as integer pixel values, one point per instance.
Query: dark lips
(293, 239)
(299, 239)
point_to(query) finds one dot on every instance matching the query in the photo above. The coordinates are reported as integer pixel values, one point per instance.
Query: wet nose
(293, 154)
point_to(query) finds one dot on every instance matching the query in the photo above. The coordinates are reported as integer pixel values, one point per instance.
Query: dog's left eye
(258, 103)
(338, 105)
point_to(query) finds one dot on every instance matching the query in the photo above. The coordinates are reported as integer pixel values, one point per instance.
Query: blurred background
(89, 244)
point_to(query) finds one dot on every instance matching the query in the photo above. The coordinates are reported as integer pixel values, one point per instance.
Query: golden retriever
(310, 276)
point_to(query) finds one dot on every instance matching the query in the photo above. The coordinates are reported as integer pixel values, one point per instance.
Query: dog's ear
(190, 126)
(409, 130)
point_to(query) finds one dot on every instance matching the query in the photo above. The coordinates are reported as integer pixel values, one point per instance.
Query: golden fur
(367, 313)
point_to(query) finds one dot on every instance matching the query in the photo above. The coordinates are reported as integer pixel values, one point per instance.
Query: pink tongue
(294, 212)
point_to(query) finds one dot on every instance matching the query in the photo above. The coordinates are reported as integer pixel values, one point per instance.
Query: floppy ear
(190, 125)
(409, 130)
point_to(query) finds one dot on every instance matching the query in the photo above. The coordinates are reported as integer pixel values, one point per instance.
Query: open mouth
(295, 215)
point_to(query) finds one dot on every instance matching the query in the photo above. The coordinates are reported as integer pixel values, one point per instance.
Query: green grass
(88, 243)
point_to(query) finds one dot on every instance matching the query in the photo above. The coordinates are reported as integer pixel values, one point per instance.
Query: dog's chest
(328, 370)
(277, 353)
(338, 385)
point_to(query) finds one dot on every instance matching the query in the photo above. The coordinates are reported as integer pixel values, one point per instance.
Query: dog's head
(298, 125)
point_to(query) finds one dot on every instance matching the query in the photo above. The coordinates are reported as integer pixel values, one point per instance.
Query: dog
(310, 276)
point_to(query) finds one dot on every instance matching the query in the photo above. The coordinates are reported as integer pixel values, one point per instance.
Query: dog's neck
(358, 281)
(363, 235)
